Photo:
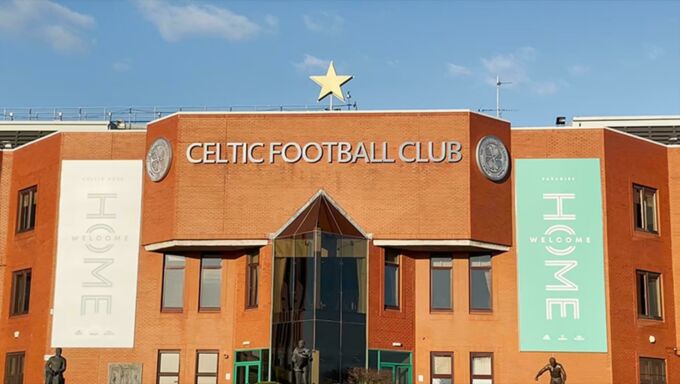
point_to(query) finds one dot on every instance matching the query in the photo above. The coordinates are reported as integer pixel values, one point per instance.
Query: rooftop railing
(139, 115)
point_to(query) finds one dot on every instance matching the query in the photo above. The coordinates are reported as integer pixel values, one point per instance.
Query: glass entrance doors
(401, 373)
(247, 373)
(251, 367)
(397, 363)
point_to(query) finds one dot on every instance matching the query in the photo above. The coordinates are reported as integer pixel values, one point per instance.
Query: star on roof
(331, 83)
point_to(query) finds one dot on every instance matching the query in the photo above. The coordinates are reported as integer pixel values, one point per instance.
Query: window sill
(650, 320)
(172, 310)
(209, 310)
(641, 233)
(391, 309)
(19, 315)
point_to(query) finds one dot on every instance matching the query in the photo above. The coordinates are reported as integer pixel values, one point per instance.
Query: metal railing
(139, 115)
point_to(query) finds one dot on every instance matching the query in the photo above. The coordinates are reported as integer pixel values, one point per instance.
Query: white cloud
(458, 70)
(312, 63)
(324, 22)
(655, 52)
(60, 27)
(123, 65)
(271, 21)
(176, 22)
(578, 70)
(513, 68)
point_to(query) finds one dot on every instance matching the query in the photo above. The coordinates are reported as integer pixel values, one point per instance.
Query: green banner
(560, 266)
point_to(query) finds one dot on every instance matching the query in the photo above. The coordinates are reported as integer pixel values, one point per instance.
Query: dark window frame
(217, 368)
(432, 268)
(201, 308)
(396, 263)
(252, 298)
(21, 292)
(160, 374)
(21, 355)
(165, 268)
(26, 217)
(433, 375)
(654, 359)
(647, 300)
(640, 192)
(480, 377)
(490, 269)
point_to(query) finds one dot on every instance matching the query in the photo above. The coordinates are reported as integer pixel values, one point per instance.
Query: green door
(247, 373)
(251, 366)
(401, 373)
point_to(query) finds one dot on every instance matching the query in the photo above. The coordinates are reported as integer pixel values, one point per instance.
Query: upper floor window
(649, 295)
(480, 283)
(168, 367)
(441, 265)
(652, 371)
(211, 283)
(644, 199)
(173, 283)
(391, 278)
(252, 277)
(21, 292)
(27, 205)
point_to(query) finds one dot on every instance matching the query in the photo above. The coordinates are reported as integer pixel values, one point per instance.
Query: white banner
(97, 253)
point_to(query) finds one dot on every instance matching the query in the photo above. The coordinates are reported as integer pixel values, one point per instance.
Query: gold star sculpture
(331, 83)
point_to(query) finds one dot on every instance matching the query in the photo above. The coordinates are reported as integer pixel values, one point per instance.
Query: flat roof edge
(385, 111)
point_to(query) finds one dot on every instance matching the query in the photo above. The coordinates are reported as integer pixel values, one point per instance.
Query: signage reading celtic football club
(560, 255)
(327, 151)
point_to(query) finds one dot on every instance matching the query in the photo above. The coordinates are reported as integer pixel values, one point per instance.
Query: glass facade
(319, 295)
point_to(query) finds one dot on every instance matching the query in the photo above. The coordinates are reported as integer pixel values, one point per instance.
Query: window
(644, 199)
(441, 366)
(649, 295)
(391, 279)
(173, 283)
(168, 367)
(21, 292)
(252, 277)
(652, 371)
(206, 367)
(480, 283)
(26, 213)
(481, 368)
(441, 265)
(14, 368)
(211, 283)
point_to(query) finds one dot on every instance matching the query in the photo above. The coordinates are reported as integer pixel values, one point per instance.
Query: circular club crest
(158, 159)
(492, 158)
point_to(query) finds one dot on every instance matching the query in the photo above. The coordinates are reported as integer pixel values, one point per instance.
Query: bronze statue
(55, 368)
(557, 373)
(301, 358)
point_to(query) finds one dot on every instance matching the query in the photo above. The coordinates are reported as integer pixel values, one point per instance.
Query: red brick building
(203, 248)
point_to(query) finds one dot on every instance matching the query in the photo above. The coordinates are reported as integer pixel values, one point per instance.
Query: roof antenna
(499, 111)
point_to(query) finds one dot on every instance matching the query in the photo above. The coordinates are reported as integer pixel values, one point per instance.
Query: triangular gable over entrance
(323, 213)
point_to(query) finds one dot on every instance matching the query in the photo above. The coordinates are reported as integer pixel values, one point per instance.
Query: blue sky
(563, 58)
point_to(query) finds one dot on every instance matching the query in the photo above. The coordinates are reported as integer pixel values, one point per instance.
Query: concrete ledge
(204, 245)
(443, 245)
